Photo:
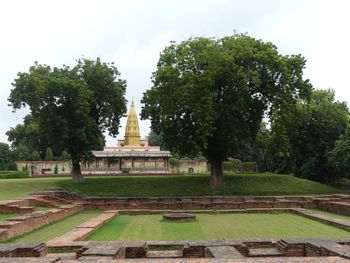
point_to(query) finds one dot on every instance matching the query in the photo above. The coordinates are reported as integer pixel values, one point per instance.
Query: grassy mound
(189, 185)
(253, 184)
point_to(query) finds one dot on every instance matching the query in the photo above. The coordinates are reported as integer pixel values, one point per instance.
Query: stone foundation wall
(28, 222)
(335, 207)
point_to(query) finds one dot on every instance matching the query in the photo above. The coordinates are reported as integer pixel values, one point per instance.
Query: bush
(233, 165)
(249, 167)
(237, 166)
(13, 174)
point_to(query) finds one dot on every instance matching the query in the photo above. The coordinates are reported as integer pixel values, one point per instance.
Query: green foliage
(26, 138)
(209, 95)
(256, 150)
(303, 136)
(233, 165)
(13, 174)
(249, 167)
(64, 156)
(55, 171)
(339, 157)
(6, 157)
(21, 152)
(35, 156)
(154, 139)
(48, 154)
(237, 166)
(174, 161)
(72, 107)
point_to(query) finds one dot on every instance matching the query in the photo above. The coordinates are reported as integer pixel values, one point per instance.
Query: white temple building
(131, 155)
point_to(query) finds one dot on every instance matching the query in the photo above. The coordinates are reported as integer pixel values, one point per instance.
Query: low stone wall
(27, 222)
(333, 203)
(335, 207)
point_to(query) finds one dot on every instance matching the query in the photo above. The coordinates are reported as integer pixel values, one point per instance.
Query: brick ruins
(72, 247)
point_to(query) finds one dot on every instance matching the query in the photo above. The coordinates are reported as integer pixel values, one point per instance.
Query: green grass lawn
(207, 226)
(189, 185)
(55, 229)
(4, 216)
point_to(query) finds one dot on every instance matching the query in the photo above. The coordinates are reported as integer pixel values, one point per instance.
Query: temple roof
(131, 154)
(132, 130)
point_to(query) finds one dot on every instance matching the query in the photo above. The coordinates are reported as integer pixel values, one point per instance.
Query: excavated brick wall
(335, 207)
(29, 222)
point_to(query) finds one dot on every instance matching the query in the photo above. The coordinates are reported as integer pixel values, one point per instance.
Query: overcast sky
(133, 33)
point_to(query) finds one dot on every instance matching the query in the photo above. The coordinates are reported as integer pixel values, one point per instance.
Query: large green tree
(27, 135)
(209, 95)
(73, 107)
(154, 139)
(303, 136)
(6, 157)
(339, 156)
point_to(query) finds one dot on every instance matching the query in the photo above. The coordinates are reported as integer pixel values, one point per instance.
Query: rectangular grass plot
(218, 226)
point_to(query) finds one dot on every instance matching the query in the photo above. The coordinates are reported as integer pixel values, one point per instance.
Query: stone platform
(174, 216)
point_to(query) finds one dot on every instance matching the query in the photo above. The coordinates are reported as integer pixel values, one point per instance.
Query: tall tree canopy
(304, 136)
(209, 95)
(73, 107)
(339, 157)
(6, 157)
(27, 135)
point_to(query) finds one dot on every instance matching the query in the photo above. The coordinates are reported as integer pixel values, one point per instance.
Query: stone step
(264, 252)
(164, 254)
(102, 250)
(225, 252)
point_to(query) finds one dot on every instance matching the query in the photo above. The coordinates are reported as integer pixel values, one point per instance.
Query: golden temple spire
(132, 131)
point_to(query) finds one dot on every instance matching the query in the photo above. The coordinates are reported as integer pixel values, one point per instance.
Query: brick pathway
(82, 230)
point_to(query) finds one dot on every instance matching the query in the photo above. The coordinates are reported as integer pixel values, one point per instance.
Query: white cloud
(133, 33)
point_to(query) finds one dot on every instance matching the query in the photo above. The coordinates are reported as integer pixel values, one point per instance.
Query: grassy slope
(196, 185)
(55, 229)
(13, 188)
(5, 216)
(152, 227)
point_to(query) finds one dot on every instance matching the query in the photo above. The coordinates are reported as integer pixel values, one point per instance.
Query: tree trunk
(217, 176)
(77, 176)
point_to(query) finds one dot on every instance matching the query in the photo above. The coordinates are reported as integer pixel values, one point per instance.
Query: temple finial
(132, 130)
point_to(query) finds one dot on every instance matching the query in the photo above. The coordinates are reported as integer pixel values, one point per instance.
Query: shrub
(237, 166)
(13, 174)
